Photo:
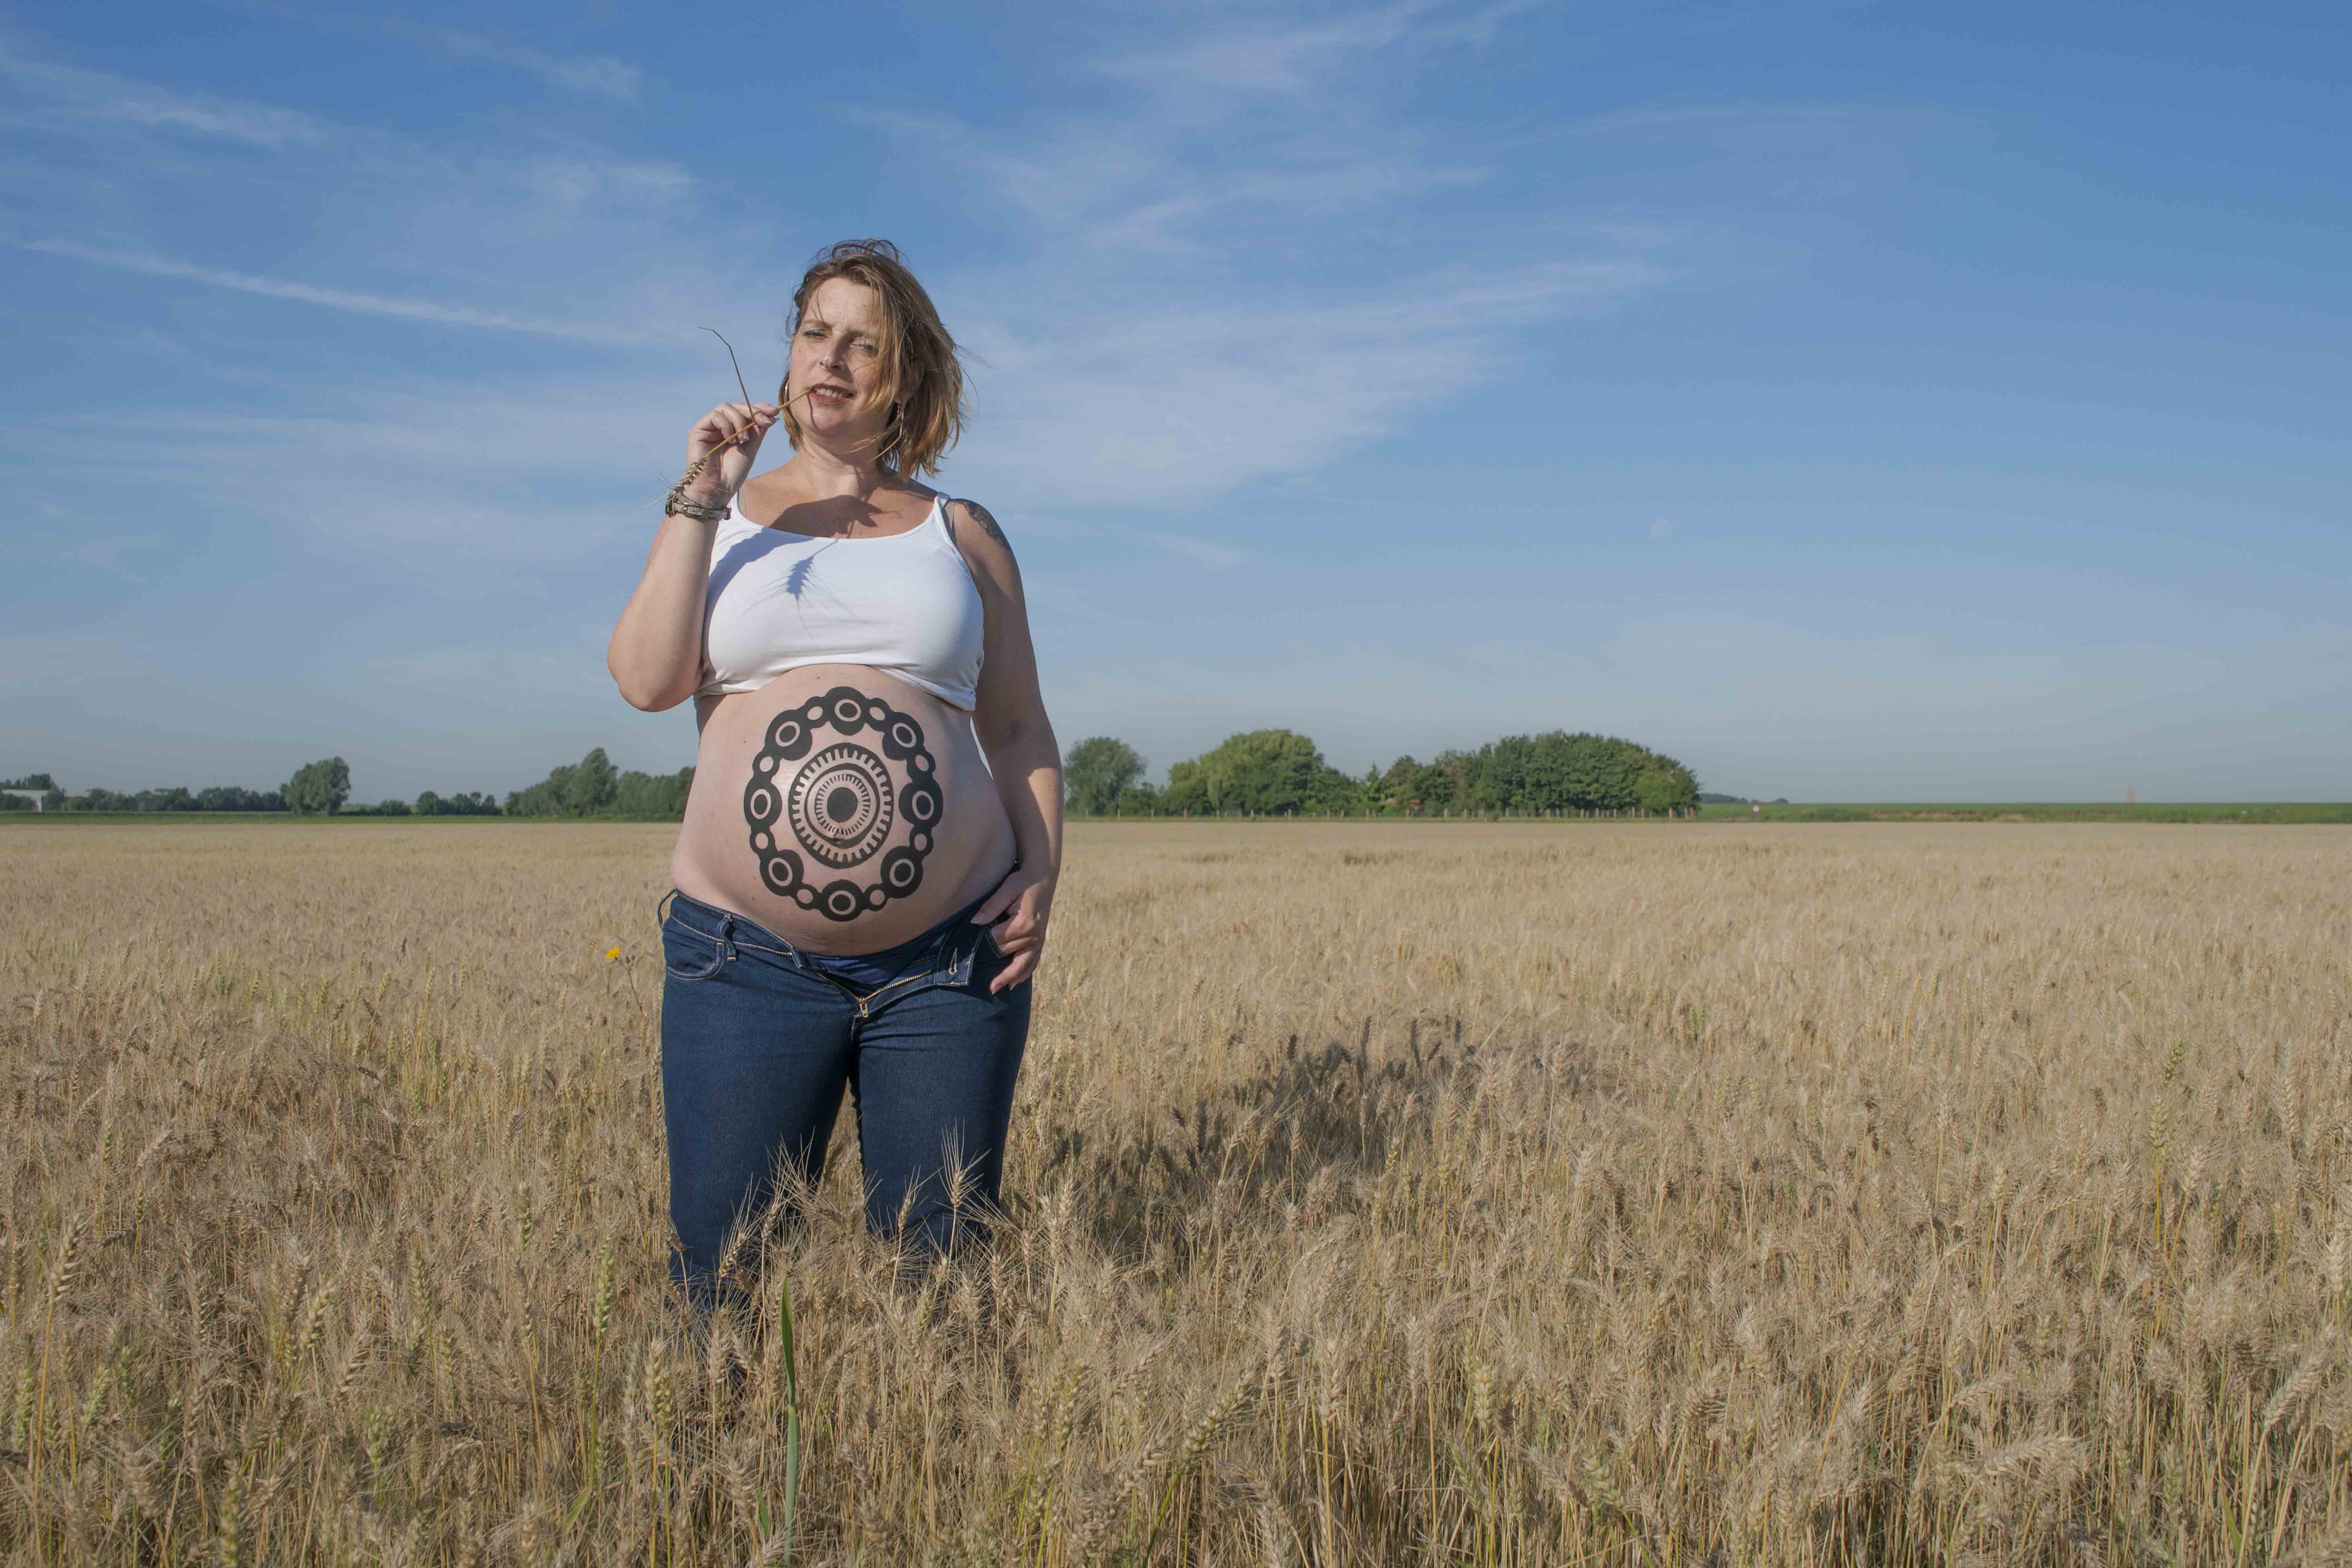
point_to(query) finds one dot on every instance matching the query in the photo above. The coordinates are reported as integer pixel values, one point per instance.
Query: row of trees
(1262, 772)
(594, 787)
(320, 788)
(176, 798)
(1276, 773)
(589, 788)
(470, 803)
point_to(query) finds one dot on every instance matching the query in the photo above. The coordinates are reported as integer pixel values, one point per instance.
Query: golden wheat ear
(694, 470)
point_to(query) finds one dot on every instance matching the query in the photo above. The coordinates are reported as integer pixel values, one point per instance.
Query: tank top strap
(940, 503)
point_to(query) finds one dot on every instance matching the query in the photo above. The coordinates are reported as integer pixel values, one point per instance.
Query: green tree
(536, 800)
(653, 797)
(590, 784)
(593, 787)
(1654, 792)
(1187, 791)
(1666, 786)
(1266, 771)
(465, 803)
(1097, 772)
(1395, 792)
(319, 787)
(1451, 782)
(231, 797)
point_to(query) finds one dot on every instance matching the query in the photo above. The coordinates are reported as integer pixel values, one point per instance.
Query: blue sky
(1857, 402)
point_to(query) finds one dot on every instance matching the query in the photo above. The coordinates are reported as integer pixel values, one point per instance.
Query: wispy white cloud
(1181, 406)
(537, 217)
(334, 298)
(1202, 551)
(586, 75)
(596, 76)
(69, 93)
(1261, 55)
(1265, 57)
(1240, 130)
(465, 491)
(1228, 376)
(1253, 172)
(572, 184)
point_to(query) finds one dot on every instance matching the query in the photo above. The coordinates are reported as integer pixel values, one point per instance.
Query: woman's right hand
(723, 475)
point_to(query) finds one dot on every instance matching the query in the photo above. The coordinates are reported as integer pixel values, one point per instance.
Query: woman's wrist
(700, 502)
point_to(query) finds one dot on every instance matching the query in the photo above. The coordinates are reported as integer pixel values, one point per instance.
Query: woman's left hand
(1022, 902)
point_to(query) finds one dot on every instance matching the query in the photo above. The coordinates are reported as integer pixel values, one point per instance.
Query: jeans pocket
(688, 954)
(990, 959)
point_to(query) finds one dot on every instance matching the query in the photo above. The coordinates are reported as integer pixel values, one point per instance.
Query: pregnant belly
(841, 808)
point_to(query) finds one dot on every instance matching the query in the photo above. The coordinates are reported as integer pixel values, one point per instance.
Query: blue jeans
(758, 1045)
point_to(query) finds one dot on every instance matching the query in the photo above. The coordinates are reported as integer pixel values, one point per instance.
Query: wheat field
(1419, 1194)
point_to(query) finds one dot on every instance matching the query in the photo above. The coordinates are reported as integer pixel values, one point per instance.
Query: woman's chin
(839, 427)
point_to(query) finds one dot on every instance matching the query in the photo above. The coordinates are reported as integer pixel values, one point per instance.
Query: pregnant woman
(868, 864)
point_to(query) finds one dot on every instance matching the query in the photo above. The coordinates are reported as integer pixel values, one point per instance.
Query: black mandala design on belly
(841, 808)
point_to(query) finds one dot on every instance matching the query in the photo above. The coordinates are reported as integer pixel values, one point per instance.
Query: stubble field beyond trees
(1539, 1194)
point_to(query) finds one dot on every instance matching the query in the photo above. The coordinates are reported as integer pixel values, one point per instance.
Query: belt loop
(727, 938)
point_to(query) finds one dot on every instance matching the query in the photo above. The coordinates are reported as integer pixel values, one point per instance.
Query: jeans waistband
(935, 954)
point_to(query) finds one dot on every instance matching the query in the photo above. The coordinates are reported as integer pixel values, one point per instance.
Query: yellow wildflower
(612, 953)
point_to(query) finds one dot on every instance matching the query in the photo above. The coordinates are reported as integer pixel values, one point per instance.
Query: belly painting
(841, 808)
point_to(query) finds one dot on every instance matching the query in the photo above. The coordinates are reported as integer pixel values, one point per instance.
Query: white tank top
(905, 602)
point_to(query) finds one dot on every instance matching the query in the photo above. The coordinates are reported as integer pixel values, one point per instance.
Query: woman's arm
(1010, 719)
(656, 654)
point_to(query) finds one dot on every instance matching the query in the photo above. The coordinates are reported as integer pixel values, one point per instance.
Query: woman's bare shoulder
(980, 523)
(983, 518)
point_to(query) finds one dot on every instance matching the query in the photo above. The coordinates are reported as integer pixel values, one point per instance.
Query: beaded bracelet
(695, 509)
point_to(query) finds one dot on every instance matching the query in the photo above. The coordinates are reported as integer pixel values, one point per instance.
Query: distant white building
(40, 797)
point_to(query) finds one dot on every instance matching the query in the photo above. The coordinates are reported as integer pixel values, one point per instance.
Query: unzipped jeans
(758, 1045)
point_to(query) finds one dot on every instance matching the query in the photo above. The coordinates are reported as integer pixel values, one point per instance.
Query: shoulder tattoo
(979, 514)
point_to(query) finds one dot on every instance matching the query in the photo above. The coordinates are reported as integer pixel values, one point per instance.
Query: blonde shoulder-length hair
(922, 378)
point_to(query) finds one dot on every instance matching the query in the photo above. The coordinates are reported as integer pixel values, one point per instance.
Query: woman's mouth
(830, 396)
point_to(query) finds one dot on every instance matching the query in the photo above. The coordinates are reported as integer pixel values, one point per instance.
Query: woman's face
(837, 363)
